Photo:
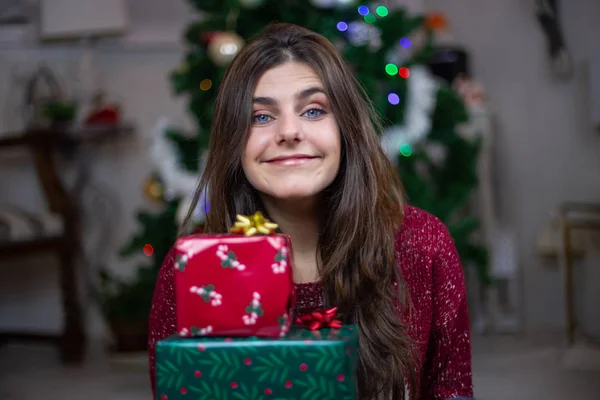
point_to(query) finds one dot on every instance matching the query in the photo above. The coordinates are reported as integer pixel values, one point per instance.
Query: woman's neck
(299, 220)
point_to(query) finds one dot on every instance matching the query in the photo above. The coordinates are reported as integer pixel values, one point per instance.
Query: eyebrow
(269, 101)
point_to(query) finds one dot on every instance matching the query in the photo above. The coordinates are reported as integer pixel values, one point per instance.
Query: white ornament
(436, 152)
(361, 34)
(323, 3)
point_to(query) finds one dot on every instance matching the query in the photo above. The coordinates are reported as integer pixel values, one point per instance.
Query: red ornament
(320, 319)
(248, 361)
(404, 72)
(303, 367)
(197, 374)
(109, 114)
(183, 390)
(208, 37)
(164, 397)
(341, 378)
(148, 250)
(201, 348)
(268, 391)
(288, 384)
(234, 385)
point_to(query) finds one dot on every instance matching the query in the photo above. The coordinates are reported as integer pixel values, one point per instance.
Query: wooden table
(574, 216)
(44, 145)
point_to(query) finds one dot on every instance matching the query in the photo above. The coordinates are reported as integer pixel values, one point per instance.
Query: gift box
(305, 364)
(239, 284)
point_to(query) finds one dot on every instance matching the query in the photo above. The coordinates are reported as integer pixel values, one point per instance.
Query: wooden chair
(65, 245)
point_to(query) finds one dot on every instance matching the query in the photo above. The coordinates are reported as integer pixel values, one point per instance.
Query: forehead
(287, 78)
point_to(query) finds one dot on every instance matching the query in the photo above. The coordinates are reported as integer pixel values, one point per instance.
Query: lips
(291, 160)
(291, 157)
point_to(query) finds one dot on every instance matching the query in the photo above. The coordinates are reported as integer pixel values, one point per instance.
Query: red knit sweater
(440, 322)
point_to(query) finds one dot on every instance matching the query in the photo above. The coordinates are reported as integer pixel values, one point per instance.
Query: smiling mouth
(293, 160)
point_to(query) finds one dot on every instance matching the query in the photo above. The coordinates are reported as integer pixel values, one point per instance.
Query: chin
(295, 193)
(294, 196)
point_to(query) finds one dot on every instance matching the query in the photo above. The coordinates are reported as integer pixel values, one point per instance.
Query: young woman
(295, 137)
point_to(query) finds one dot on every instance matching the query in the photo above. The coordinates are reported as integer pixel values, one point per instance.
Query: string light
(363, 10)
(148, 250)
(369, 18)
(391, 69)
(405, 42)
(394, 99)
(205, 84)
(382, 11)
(342, 26)
(406, 150)
(404, 72)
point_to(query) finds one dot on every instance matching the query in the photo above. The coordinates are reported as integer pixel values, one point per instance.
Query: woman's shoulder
(424, 245)
(421, 230)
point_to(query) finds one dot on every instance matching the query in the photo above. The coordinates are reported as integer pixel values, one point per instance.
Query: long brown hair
(361, 210)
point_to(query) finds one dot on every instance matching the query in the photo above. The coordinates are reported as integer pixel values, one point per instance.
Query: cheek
(256, 145)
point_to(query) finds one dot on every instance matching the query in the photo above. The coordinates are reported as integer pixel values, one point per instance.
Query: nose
(289, 128)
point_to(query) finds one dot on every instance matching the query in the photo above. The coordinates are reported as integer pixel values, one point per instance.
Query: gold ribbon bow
(253, 225)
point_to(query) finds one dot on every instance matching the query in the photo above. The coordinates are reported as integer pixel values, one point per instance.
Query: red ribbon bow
(320, 319)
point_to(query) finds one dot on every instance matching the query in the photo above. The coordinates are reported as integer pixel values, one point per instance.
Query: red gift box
(232, 285)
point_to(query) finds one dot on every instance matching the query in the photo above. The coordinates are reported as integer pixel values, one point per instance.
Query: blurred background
(492, 112)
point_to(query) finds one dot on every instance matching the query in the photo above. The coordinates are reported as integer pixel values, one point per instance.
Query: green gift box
(305, 365)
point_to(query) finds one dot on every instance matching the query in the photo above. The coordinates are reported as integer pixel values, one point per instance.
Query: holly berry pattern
(253, 311)
(305, 365)
(281, 261)
(181, 262)
(283, 323)
(228, 258)
(208, 294)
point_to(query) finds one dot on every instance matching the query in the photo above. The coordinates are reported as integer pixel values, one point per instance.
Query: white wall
(547, 150)
(548, 153)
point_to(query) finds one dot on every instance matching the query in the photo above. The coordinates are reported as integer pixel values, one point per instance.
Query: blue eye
(314, 113)
(261, 118)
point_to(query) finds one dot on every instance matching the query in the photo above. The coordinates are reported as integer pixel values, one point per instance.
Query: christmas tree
(388, 51)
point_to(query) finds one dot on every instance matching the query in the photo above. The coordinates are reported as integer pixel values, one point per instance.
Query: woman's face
(293, 149)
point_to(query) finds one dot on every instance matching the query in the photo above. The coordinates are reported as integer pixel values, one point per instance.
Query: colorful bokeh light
(342, 26)
(394, 99)
(391, 69)
(363, 10)
(382, 11)
(404, 72)
(148, 250)
(406, 43)
(205, 84)
(406, 150)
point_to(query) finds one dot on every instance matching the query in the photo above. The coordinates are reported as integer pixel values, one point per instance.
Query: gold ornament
(224, 46)
(253, 225)
(154, 190)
